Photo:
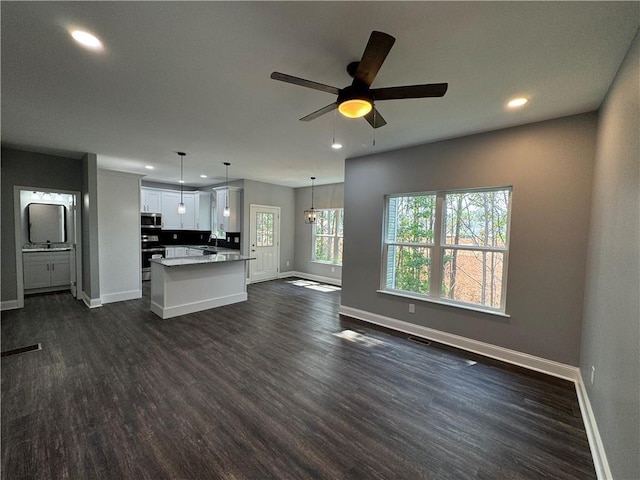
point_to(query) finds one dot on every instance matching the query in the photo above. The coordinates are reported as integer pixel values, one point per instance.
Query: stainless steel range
(151, 248)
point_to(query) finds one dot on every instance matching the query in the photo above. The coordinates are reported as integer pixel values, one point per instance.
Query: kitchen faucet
(214, 237)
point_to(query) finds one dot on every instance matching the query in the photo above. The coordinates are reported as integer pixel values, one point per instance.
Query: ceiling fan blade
(283, 77)
(410, 91)
(374, 54)
(375, 119)
(322, 111)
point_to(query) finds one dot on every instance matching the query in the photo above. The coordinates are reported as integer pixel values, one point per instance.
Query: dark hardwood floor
(266, 390)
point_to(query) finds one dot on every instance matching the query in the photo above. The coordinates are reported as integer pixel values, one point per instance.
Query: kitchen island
(191, 284)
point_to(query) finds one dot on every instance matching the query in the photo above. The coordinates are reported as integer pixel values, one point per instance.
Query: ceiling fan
(357, 100)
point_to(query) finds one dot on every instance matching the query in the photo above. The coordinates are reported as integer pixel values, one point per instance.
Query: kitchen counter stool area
(192, 284)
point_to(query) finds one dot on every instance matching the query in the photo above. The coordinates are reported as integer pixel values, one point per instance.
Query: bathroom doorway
(48, 241)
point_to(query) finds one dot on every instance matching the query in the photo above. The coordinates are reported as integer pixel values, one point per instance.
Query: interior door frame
(77, 239)
(252, 208)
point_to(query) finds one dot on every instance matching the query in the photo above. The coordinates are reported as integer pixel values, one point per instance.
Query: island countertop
(199, 260)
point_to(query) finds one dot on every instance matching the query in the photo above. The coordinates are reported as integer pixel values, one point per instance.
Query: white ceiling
(194, 77)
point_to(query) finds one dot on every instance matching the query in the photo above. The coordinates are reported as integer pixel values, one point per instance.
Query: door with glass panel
(264, 240)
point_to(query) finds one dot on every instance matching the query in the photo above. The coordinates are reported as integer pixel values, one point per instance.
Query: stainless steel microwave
(151, 220)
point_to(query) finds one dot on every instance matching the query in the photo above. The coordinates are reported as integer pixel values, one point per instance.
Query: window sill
(326, 263)
(420, 298)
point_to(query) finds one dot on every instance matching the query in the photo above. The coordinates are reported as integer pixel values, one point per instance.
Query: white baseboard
(9, 305)
(310, 276)
(192, 307)
(91, 303)
(121, 296)
(514, 357)
(288, 274)
(600, 461)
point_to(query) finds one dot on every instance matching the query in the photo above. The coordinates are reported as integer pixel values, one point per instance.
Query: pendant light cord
(226, 182)
(181, 178)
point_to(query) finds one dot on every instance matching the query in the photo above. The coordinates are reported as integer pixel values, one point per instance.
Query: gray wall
(550, 166)
(259, 193)
(32, 170)
(324, 196)
(119, 236)
(90, 259)
(611, 328)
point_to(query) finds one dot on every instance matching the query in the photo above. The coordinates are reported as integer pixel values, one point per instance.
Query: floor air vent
(423, 341)
(16, 351)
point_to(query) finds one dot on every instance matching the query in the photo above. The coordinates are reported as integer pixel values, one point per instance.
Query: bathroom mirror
(47, 223)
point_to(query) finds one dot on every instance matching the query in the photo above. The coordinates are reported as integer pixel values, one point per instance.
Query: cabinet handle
(47, 267)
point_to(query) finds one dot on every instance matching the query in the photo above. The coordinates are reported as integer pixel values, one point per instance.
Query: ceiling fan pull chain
(374, 126)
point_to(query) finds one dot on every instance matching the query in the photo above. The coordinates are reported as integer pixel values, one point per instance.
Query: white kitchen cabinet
(203, 211)
(169, 252)
(231, 197)
(46, 270)
(150, 200)
(171, 219)
(188, 219)
(194, 252)
(197, 205)
(180, 251)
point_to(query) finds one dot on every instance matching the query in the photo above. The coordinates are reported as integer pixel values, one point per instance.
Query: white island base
(187, 285)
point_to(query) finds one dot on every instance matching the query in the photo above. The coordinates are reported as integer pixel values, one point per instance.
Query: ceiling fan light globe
(355, 108)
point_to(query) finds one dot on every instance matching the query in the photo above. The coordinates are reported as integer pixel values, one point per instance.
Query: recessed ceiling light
(149, 167)
(336, 146)
(203, 176)
(517, 102)
(86, 39)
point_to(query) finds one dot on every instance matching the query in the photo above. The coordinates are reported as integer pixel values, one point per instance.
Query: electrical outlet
(175, 236)
(412, 308)
(333, 269)
(287, 263)
(593, 374)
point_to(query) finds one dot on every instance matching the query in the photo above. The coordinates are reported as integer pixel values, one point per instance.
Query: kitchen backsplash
(194, 237)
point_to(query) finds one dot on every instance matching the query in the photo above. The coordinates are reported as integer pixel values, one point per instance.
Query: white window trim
(437, 248)
(336, 237)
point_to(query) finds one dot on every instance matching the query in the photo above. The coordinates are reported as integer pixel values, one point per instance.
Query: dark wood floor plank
(264, 389)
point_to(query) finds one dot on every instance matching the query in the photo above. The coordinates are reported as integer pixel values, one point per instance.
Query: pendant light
(181, 208)
(310, 215)
(226, 212)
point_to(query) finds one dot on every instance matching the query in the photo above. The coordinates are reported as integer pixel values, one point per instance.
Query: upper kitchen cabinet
(150, 200)
(231, 197)
(188, 219)
(197, 206)
(203, 211)
(171, 219)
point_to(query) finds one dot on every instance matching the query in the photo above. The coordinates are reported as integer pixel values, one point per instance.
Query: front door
(264, 240)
